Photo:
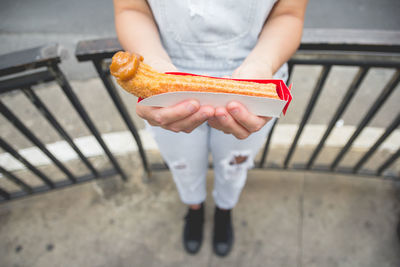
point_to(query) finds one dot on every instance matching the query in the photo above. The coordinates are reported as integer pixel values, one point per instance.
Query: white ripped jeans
(187, 158)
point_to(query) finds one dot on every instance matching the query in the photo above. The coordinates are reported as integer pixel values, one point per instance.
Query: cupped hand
(183, 117)
(235, 119)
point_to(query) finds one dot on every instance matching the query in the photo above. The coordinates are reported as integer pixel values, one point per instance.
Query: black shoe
(193, 230)
(223, 232)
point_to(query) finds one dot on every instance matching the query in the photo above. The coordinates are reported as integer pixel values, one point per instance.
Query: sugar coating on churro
(143, 81)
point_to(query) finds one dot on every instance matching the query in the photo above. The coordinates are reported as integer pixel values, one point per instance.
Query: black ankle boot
(223, 232)
(193, 230)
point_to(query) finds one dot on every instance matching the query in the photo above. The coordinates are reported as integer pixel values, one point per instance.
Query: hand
(183, 117)
(235, 118)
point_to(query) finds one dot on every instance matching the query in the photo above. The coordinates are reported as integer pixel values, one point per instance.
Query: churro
(143, 81)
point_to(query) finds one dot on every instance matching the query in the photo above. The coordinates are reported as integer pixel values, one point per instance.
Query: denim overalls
(210, 37)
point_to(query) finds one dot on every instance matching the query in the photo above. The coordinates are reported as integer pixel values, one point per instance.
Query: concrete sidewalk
(282, 219)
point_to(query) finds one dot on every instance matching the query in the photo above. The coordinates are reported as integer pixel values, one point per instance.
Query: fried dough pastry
(141, 80)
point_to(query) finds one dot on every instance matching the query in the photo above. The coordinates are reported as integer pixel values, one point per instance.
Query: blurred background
(27, 24)
(285, 217)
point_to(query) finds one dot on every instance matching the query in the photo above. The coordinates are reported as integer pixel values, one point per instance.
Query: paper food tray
(261, 106)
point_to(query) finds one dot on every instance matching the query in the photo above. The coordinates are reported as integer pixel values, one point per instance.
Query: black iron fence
(22, 70)
(365, 51)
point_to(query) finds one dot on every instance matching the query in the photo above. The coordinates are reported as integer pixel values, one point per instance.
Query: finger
(229, 125)
(191, 122)
(213, 122)
(248, 120)
(167, 115)
(145, 111)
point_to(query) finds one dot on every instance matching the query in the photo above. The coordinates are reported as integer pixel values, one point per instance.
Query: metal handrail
(20, 71)
(327, 48)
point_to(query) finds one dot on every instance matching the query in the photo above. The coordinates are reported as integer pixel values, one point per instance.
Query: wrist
(253, 69)
(160, 64)
(261, 63)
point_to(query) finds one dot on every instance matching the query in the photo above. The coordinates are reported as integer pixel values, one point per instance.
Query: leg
(187, 157)
(232, 158)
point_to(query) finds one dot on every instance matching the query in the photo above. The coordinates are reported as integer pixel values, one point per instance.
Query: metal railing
(325, 48)
(365, 51)
(22, 70)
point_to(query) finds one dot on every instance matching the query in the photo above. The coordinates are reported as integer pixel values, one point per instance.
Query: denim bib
(211, 37)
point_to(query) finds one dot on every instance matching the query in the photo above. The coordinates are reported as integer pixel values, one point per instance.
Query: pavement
(282, 219)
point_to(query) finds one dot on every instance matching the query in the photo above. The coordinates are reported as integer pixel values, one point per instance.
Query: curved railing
(21, 71)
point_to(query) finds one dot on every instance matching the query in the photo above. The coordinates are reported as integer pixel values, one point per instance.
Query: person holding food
(244, 39)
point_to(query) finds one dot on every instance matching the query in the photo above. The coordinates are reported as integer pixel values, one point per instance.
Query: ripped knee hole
(179, 166)
(238, 160)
